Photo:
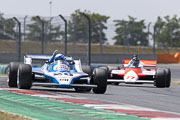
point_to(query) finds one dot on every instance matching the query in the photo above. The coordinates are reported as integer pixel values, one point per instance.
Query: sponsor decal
(131, 76)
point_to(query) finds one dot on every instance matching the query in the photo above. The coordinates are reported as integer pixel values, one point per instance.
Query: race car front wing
(57, 85)
(137, 81)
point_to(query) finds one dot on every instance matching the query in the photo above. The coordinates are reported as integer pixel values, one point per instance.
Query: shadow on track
(65, 90)
(134, 85)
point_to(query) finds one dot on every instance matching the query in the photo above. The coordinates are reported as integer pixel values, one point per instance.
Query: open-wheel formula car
(135, 71)
(56, 71)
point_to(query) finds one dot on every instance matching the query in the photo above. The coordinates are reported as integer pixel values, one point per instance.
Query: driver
(134, 62)
(59, 61)
(53, 56)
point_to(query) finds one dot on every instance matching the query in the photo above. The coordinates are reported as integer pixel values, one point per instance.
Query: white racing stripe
(165, 118)
(118, 106)
(57, 96)
(110, 106)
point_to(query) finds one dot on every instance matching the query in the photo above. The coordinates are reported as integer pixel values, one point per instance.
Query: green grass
(9, 46)
(9, 116)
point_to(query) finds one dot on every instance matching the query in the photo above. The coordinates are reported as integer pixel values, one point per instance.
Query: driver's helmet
(135, 61)
(59, 57)
(135, 57)
(61, 64)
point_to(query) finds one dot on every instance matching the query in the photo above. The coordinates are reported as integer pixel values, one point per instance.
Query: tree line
(166, 30)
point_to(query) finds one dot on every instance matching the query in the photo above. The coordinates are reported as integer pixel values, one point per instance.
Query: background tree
(131, 31)
(78, 27)
(167, 32)
(158, 28)
(52, 32)
(7, 26)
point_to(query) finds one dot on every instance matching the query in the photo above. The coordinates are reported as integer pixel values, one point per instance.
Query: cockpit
(134, 63)
(59, 65)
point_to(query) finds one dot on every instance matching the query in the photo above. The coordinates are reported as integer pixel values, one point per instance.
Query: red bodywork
(142, 72)
(138, 71)
(147, 63)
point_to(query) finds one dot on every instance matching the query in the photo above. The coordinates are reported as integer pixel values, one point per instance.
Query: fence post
(148, 30)
(25, 26)
(65, 34)
(42, 35)
(128, 38)
(50, 27)
(154, 40)
(18, 43)
(100, 41)
(89, 38)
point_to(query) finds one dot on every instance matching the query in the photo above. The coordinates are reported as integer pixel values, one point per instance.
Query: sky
(116, 9)
(147, 10)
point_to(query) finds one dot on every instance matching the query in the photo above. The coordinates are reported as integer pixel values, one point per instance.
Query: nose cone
(130, 76)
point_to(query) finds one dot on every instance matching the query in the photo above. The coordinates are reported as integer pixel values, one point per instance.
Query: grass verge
(9, 46)
(9, 116)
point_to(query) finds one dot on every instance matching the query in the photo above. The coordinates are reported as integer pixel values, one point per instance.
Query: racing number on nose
(130, 77)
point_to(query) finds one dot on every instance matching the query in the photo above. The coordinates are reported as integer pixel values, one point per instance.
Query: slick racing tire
(100, 79)
(110, 68)
(160, 81)
(12, 74)
(106, 68)
(168, 77)
(24, 76)
(87, 69)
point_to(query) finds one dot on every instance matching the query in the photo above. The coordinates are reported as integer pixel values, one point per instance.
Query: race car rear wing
(39, 57)
(145, 63)
(44, 57)
(28, 58)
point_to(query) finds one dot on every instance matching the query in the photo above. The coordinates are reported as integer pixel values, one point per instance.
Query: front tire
(168, 77)
(160, 81)
(24, 77)
(12, 74)
(100, 79)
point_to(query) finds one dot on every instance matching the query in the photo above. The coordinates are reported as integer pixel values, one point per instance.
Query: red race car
(135, 71)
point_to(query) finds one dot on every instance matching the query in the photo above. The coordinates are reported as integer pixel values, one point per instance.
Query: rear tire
(87, 69)
(12, 74)
(168, 77)
(105, 67)
(160, 81)
(24, 76)
(100, 79)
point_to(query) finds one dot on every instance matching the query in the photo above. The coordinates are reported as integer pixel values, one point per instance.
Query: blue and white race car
(57, 71)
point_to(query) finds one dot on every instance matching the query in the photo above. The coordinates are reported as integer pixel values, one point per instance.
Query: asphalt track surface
(146, 95)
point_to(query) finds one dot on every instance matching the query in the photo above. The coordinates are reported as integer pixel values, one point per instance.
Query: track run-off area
(120, 102)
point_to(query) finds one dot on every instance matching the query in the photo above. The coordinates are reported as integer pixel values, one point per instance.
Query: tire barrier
(3, 68)
(177, 56)
(168, 58)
